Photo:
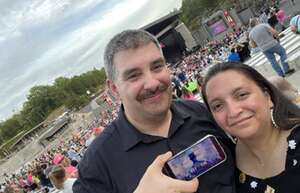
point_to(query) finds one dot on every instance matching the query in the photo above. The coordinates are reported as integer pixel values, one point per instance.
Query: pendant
(242, 177)
(269, 189)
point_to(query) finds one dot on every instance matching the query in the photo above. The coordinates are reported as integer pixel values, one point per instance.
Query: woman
(61, 180)
(265, 123)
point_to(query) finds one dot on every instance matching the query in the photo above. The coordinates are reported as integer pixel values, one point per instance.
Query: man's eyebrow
(129, 71)
(158, 60)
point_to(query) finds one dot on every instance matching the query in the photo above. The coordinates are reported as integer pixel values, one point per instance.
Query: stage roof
(160, 24)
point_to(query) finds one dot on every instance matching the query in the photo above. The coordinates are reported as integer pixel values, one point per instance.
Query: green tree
(10, 128)
(75, 102)
(43, 99)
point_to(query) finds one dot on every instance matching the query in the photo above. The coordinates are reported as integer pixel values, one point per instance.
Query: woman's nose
(233, 109)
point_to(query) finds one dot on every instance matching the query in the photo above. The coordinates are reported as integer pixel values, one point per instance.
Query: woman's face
(238, 105)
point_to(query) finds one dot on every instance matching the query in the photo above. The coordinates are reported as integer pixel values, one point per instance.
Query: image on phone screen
(197, 159)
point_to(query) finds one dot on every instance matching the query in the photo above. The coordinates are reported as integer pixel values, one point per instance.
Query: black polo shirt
(117, 159)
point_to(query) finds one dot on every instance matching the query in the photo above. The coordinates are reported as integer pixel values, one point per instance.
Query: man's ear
(112, 87)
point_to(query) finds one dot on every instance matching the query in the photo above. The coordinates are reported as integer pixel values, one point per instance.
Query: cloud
(47, 39)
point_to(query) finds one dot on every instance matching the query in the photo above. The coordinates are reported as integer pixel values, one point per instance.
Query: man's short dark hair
(128, 39)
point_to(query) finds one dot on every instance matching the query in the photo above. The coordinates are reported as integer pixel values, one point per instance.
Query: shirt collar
(131, 136)
(178, 117)
(128, 133)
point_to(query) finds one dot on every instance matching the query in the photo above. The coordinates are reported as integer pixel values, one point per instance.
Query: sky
(41, 40)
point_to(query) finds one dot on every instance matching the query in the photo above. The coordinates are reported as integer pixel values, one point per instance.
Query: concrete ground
(294, 78)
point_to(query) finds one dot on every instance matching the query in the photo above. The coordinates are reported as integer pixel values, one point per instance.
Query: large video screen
(216, 26)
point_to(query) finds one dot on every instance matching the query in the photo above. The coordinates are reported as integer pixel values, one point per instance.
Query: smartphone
(195, 160)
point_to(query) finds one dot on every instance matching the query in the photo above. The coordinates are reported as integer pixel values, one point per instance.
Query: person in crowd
(176, 91)
(130, 153)
(282, 18)
(187, 95)
(286, 88)
(44, 180)
(262, 36)
(272, 18)
(182, 76)
(61, 180)
(233, 56)
(243, 50)
(33, 180)
(73, 154)
(295, 24)
(57, 158)
(199, 79)
(192, 85)
(70, 170)
(265, 123)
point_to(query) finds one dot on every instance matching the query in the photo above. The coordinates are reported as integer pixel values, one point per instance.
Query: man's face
(142, 82)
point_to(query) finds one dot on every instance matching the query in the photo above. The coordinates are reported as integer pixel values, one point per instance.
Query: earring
(272, 119)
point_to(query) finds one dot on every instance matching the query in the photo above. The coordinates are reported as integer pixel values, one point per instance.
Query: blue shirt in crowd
(234, 57)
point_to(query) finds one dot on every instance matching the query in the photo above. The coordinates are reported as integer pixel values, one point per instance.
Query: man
(262, 36)
(295, 24)
(126, 158)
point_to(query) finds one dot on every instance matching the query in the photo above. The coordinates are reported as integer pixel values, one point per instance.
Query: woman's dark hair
(286, 113)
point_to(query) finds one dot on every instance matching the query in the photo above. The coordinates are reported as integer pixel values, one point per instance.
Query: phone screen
(197, 159)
